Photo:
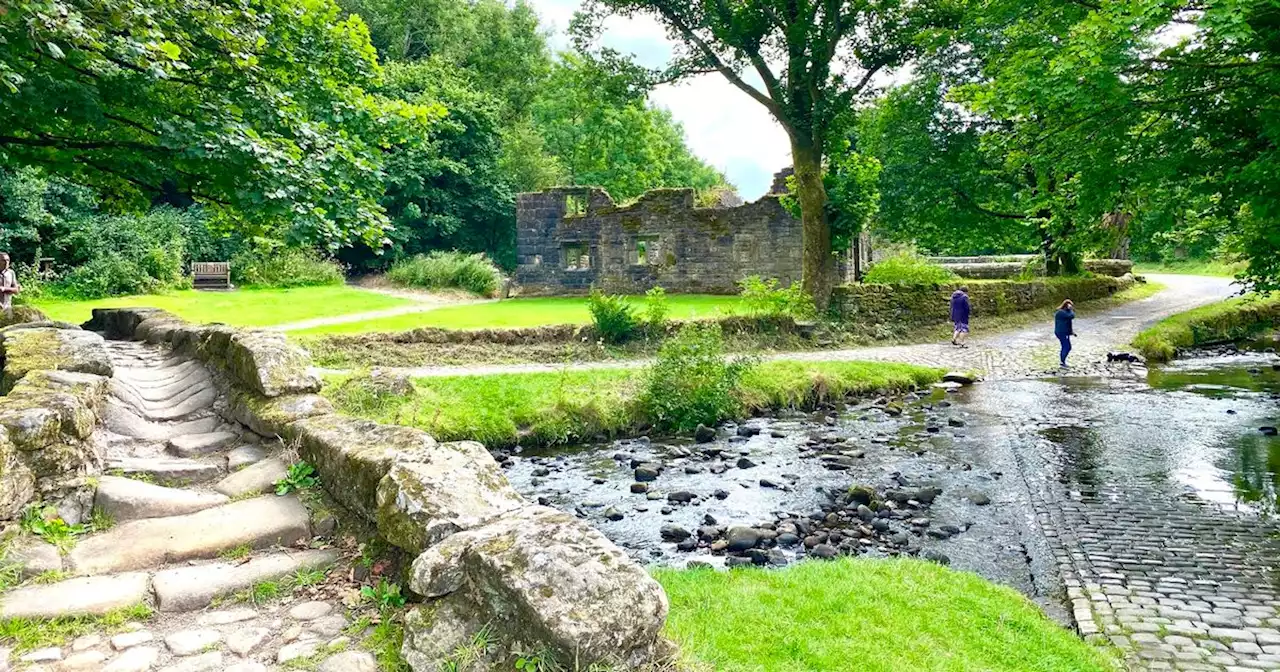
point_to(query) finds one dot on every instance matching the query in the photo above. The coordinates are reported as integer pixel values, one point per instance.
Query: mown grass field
(562, 407)
(864, 615)
(241, 308)
(530, 312)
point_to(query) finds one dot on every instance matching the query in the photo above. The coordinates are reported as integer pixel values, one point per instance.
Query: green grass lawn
(1228, 320)
(531, 312)
(865, 615)
(242, 307)
(549, 408)
(1217, 268)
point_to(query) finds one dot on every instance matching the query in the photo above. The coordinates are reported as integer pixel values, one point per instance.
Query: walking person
(1064, 328)
(960, 316)
(8, 286)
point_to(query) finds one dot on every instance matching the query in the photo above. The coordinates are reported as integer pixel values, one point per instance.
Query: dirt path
(1013, 354)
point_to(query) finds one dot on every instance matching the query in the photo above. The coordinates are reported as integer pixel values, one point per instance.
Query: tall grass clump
(765, 298)
(907, 268)
(284, 267)
(1229, 320)
(615, 320)
(693, 382)
(448, 270)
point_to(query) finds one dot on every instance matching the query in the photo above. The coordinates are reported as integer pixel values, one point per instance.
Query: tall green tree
(806, 61)
(256, 108)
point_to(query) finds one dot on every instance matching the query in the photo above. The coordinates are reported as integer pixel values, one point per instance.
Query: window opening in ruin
(537, 260)
(575, 206)
(577, 257)
(648, 251)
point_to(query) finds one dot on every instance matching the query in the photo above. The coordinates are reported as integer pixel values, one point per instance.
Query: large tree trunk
(818, 264)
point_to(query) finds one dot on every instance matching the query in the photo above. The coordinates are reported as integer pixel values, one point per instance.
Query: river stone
(35, 557)
(137, 659)
(648, 471)
(240, 457)
(309, 611)
(47, 348)
(353, 455)
(349, 661)
(435, 493)
(957, 377)
(674, 533)
(541, 573)
(268, 363)
(127, 640)
(189, 642)
(742, 538)
(255, 479)
(130, 499)
(205, 662)
(300, 649)
(84, 660)
(704, 434)
(244, 641)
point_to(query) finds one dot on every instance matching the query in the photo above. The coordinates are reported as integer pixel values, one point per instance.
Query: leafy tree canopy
(257, 108)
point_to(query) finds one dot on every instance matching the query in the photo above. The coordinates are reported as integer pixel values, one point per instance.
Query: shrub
(764, 298)
(614, 319)
(1226, 321)
(692, 381)
(656, 310)
(448, 270)
(284, 267)
(907, 268)
(106, 255)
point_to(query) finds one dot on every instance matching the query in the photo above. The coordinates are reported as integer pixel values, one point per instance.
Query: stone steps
(166, 411)
(258, 523)
(126, 499)
(168, 471)
(123, 420)
(175, 590)
(197, 445)
(257, 478)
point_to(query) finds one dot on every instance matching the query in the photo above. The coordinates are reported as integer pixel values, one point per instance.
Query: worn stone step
(86, 596)
(119, 418)
(191, 588)
(147, 374)
(127, 499)
(195, 445)
(258, 523)
(168, 471)
(150, 396)
(242, 456)
(164, 411)
(255, 479)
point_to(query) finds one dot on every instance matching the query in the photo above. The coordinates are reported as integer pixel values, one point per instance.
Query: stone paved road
(1015, 354)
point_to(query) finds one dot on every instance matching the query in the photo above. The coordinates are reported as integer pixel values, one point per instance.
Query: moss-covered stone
(442, 491)
(121, 323)
(353, 455)
(542, 580)
(22, 315)
(268, 363)
(17, 481)
(271, 416)
(26, 350)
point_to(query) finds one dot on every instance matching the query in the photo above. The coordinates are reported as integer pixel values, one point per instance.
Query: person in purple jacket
(960, 316)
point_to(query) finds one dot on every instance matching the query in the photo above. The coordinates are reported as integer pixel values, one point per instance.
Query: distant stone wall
(917, 305)
(1000, 268)
(533, 578)
(569, 239)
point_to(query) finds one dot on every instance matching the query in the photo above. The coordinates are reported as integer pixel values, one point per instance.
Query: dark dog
(1123, 357)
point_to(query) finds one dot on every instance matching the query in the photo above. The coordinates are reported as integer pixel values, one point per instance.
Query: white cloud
(723, 125)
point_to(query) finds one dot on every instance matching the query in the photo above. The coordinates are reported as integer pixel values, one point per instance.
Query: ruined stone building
(571, 238)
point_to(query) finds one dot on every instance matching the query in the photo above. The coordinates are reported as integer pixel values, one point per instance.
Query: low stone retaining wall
(991, 268)
(929, 304)
(537, 579)
(55, 383)
(556, 333)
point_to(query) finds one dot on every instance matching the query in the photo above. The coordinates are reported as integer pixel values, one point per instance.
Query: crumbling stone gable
(570, 238)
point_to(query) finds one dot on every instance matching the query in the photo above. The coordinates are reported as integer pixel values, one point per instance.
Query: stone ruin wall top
(571, 238)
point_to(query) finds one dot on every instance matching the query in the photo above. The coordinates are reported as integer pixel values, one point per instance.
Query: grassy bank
(567, 406)
(1226, 321)
(531, 312)
(241, 308)
(1212, 268)
(863, 614)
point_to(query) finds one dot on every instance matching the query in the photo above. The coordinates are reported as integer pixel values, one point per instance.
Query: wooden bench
(211, 274)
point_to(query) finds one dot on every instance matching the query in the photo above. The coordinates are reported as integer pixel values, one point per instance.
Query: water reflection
(1255, 465)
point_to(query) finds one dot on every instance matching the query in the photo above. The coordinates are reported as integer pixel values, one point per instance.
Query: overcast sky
(723, 126)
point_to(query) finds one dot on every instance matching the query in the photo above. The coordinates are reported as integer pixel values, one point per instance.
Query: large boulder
(121, 323)
(17, 481)
(267, 363)
(22, 315)
(48, 348)
(442, 491)
(352, 455)
(541, 580)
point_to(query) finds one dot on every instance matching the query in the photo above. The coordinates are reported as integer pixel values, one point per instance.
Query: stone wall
(536, 579)
(1003, 268)
(895, 305)
(571, 238)
(55, 383)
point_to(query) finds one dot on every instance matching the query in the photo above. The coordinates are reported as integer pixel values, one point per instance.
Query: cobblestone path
(1015, 354)
(1168, 570)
